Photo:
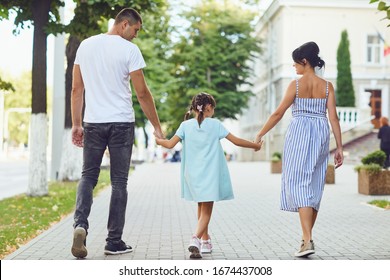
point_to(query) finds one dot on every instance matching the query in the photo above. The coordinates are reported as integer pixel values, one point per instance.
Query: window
(373, 49)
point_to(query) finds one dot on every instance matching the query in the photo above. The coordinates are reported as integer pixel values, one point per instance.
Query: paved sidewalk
(159, 223)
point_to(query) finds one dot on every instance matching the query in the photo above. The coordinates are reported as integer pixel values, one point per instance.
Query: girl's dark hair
(198, 104)
(308, 51)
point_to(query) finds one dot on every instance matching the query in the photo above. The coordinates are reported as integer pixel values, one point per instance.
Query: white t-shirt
(106, 62)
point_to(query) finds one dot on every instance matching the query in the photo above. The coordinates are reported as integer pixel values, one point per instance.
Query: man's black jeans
(119, 138)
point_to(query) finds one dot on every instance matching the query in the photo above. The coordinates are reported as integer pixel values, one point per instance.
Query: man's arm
(146, 100)
(77, 103)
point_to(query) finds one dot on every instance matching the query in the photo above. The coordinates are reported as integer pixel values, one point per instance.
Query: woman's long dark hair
(308, 51)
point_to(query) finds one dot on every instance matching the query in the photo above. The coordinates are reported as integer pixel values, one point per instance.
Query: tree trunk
(71, 50)
(38, 131)
(72, 156)
(71, 159)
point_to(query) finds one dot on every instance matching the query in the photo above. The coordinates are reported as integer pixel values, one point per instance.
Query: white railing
(348, 116)
(351, 117)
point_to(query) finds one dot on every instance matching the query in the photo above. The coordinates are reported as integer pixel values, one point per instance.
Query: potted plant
(276, 163)
(330, 174)
(373, 179)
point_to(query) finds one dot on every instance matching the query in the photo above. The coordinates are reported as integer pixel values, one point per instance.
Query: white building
(285, 25)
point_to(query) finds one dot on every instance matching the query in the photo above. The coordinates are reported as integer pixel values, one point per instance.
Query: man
(103, 66)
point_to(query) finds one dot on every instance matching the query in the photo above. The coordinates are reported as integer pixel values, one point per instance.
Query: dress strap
(296, 86)
(327, 89)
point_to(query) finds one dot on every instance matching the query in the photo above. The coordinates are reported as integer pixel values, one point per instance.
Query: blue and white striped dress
(305, 154)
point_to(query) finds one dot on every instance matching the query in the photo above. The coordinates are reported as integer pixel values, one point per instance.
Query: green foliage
(24, 15)
(377, 157)
(384, 7)
(155, 45)
(373, 162)
(6, 86)
(18, 121)
(345, 94)
(385, 204)
(90, 17)
(212, 56)
(24, 217)
(276, 156)
(371, 168)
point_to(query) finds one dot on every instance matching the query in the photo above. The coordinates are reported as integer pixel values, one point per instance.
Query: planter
(374, 183)
(276, 166)
(330, 175)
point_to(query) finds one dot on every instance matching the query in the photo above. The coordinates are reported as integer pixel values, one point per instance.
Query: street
(13, 177)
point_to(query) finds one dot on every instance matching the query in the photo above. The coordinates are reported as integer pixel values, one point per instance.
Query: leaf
(382, 6)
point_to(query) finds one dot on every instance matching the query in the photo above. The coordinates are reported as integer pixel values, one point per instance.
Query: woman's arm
(335, 124)
(276, 116)
(243, 143)
(169, 144)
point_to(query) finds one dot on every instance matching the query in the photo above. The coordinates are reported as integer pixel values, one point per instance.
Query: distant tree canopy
(212, 57)
(345, 95)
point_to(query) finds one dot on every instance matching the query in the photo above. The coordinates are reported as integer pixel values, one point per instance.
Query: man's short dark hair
(129, 14)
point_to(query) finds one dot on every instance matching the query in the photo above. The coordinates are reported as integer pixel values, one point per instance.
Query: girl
(204, 173)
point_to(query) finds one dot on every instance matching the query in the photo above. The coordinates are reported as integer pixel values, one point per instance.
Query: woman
(306, 148)
(384, 136)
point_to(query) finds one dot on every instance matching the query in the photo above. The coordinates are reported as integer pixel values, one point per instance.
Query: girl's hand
(259, 145)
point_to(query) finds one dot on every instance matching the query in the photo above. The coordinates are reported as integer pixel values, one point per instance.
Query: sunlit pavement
(159, 223)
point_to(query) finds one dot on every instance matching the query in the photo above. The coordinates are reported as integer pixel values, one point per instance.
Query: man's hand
(78, 136)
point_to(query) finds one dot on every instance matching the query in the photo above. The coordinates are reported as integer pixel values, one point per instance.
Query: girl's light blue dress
(204, 171)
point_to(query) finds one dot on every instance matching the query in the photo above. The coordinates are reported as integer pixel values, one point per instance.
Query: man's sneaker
(79, 240)
(206, 246)
(306, 249)
(194, 248)
(117, 248)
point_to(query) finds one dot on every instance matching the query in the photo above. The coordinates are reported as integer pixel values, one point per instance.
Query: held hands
(159, 136)
(258, 145)
(258, 139)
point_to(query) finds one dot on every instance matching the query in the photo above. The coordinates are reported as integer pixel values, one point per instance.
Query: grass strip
(24, 217)
(385, 204)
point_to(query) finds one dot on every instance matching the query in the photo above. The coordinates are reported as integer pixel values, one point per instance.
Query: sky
(16, 50)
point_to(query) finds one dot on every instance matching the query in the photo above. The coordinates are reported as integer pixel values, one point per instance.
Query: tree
(155, 45)
(42, 14)
(91, 18)
(6, 86)
(213, 57)
(16, 105)
(382, 6)
(345, 94)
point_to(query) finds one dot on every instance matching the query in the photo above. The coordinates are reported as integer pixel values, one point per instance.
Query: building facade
(284, 25)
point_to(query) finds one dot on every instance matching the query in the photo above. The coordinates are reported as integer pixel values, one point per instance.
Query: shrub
(370, 168)
(377, 157)
(276, 156)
